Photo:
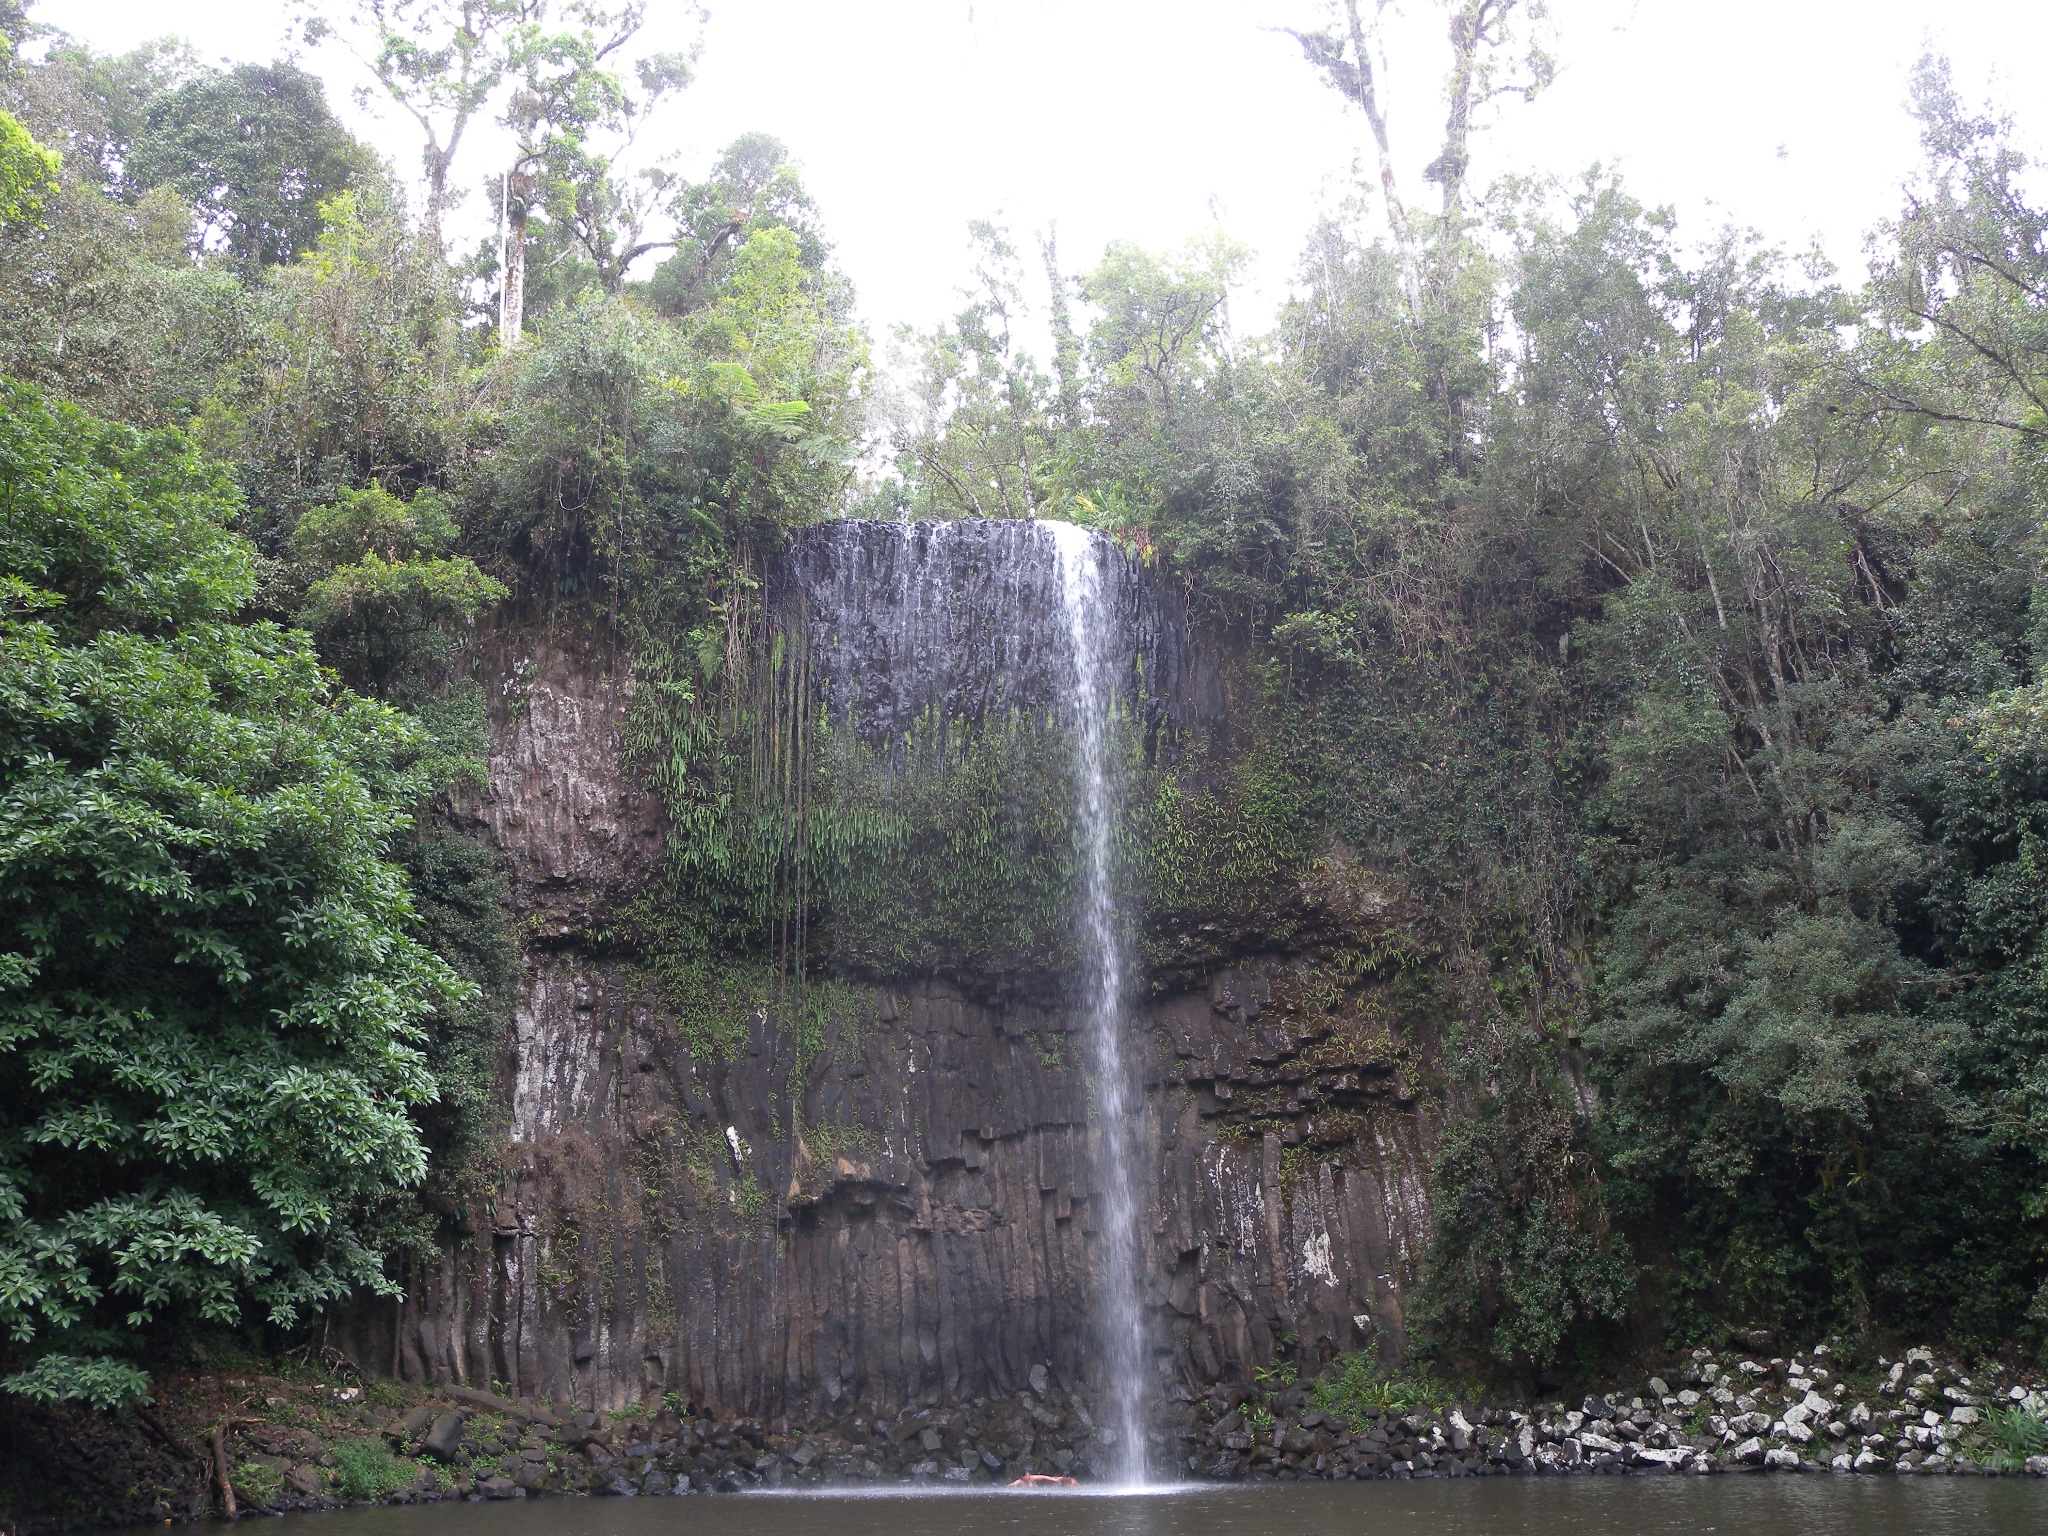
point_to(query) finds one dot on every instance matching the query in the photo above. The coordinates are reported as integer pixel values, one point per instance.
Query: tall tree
(751, 187)
(973, 429)
(1490, 58)
(89, 106)
(1342, 54)
(1497, 49)
(209, 991)
(255, 151)
(575, 118)
(1066, 344)
(28, 170)
(441, 61)
(1970, 265)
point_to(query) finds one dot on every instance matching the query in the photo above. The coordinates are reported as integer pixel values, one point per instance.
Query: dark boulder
(445, 1437)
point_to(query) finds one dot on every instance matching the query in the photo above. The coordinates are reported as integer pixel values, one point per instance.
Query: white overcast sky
(1154, 120)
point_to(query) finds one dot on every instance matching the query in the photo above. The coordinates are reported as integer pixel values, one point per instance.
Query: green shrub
(363, 1469)
(2020, 1433)
(258, 1482)
(210, 987)
(1355, 1385)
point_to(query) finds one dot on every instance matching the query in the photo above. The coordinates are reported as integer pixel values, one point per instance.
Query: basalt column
(928, 1126)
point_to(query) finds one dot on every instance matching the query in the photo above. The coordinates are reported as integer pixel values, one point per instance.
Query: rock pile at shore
(1714, 1414)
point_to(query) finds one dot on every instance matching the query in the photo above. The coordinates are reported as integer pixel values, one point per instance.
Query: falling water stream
(1090, 624)
(970, 619)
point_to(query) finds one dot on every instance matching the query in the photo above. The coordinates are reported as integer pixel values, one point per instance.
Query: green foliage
(254, 152)
(383, 597)
(1355, 1385)
(209, 991)
(441, 64)
(104, 1383)
(103, 305)
(250, 152)
(1160, 327)
(353, 374)
(951, 848)
(258, 1481)
(646, 463)
(383, 604)
(1664, 619)
(28, 173)
(364, 1470)
(1213, 849)
(575, 109)
(1275, 1375)
(1523, 1267)
(1660, 623)
(380, 481)
(751, 188)
(371, 522)
(2020, 1432)
(1815, 998)
(714, 1002)
(976, 436)
(719, 1001)
(462, 897)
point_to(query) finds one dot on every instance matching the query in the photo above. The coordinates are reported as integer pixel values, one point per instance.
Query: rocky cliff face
(885, 1191)
(965, 618)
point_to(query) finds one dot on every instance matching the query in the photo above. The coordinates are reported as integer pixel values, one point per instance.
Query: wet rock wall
(926, 1226)
(882, 1192)
(967, 618)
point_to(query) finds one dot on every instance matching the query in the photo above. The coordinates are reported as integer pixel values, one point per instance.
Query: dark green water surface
(1729, 1505)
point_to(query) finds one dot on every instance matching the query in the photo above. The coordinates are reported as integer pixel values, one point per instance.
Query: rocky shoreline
(1916, 1417)
(262, 1444)
(1771, 1415)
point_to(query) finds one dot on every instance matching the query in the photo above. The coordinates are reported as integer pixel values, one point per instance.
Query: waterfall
(967, 618)
(974, 622)
(1091, 624)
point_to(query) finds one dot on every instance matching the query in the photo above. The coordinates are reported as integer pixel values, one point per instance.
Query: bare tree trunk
(1352, 78)
(1066, 346)
(438, 160)
(220, 1472)
(1375, 115)
(1482, 35)
(512, 297)
(1468, 29)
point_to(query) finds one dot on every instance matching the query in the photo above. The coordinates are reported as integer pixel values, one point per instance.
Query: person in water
(1040, 1480)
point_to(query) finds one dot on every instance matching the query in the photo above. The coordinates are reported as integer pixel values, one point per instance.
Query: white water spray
(1091, 626)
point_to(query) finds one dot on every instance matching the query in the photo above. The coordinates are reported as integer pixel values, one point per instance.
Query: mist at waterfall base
(1575, 1506)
